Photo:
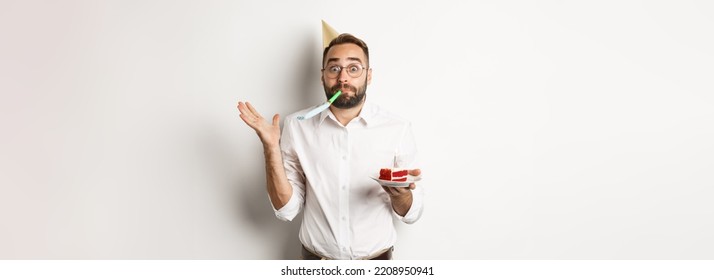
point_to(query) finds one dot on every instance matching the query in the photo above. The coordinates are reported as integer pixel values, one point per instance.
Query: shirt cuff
(289, 210)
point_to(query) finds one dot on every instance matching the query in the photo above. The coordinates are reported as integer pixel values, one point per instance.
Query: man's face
(353, 89)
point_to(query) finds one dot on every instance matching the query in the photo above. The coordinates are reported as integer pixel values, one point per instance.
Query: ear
(369, 76)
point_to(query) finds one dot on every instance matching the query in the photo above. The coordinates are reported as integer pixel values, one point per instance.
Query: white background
(548, 130)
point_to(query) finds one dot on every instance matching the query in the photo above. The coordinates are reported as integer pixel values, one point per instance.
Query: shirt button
(344, 219)
(344, 157)
(344, 187)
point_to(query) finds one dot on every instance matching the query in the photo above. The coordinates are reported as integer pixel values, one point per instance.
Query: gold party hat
(328, 33)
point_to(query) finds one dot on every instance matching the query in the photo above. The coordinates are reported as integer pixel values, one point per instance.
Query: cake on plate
(393, 174)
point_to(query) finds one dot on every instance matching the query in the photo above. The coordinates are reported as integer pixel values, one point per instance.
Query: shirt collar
(366, 115)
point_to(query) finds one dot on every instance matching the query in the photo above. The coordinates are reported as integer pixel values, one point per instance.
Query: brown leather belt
(308, 255)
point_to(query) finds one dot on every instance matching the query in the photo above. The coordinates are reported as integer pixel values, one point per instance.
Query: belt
(385, 254)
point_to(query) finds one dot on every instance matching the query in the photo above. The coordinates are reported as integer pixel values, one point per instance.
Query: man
(323, 164)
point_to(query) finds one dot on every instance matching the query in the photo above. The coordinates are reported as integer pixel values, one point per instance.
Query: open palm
(269, 133)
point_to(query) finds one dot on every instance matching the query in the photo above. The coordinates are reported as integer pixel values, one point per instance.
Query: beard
(344, 101)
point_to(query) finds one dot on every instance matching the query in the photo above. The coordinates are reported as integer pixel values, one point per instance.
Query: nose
(342, 76)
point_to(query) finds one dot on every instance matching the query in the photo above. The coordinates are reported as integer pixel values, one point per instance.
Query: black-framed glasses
(355, 70)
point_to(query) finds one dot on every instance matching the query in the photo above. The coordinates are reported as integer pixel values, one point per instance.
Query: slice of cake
(393, 174)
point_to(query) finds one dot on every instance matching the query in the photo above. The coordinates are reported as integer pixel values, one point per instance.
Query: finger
(388, 190)
(252, 110)
(244, 110)
(415, 172)
(395, 192)
(276, 120)
(247, 120)
(412, 186)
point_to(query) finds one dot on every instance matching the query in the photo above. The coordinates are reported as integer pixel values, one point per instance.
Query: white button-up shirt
(347, 214)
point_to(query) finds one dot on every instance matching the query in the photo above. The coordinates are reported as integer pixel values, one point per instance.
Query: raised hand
(269, 133)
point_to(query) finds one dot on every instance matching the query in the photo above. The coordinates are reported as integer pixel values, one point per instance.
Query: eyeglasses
(354, 70)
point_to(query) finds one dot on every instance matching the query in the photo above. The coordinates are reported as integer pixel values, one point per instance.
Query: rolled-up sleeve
(295, 174)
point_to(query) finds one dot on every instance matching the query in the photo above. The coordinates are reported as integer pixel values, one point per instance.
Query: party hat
(328, 33)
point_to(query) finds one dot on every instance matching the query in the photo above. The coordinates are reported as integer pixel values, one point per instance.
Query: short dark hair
(346, 38)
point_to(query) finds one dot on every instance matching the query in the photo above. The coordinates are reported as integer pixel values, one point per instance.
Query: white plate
(386, 183)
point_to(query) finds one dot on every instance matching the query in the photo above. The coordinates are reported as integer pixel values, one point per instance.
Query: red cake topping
(385, 174)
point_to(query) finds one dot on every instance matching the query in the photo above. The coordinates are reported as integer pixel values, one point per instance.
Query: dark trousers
(307, 255)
